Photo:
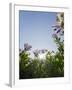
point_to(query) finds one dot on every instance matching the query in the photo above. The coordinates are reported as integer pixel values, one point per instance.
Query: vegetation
(53, 65)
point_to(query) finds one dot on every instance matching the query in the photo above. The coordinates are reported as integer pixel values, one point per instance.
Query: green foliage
(23, 64)
(52, 66)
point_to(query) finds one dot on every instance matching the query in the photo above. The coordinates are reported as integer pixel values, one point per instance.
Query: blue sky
(35, 28)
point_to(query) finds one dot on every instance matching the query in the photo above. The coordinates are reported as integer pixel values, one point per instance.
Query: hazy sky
(36, 29)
